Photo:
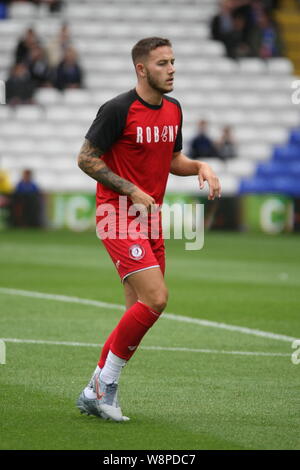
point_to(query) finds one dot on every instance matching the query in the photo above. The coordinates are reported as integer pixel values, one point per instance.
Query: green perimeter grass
(176, 400)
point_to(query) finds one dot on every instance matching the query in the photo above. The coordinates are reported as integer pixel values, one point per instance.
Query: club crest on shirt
(136, 252)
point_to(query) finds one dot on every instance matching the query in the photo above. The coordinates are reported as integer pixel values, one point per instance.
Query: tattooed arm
(92, 165)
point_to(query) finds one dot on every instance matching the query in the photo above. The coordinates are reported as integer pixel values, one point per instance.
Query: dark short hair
(143, 47)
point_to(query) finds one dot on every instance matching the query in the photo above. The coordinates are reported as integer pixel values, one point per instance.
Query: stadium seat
(286, 152)
(13, 129)
(62, 163)
(223, 65)
(81, 11)
(29, 113)
(100, 97)
(22, 11)
(221, 99)
(247, 134)
(288, 117)
(71, 130)
(8, 45)
(294, 138)
(48, 96)
(260, 117)
(278, 100)
(20, 146)
(280, 65)
(229, 116)
(5, 113)
(279, 168)
(285, 185)
(76, 97)
(254, 185)
(12, 28)
(53, 147)
(59, 113)
(247, 99)
(274, 134)
(44, 130)
(252, 66)
(240, 168)
(5, 60)
(254, 150)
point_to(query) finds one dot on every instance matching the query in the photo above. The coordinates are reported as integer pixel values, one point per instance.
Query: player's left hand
(206, 174)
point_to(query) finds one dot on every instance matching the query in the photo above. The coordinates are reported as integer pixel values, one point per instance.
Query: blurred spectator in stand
(25, 45)
(39, 68)
(226, 145)
(244, 8)
(68, 72)
(257, 6)
(6, 188)
(19, 86)
(57, 46)
(27, 203)
(222, 23)
(202, 145)
(237, 43)
(265, 38)
(54, 6)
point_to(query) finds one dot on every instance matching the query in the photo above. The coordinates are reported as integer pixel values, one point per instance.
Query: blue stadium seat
(279, 168)
(254, 185)
(295, 137)
(279, 184)
(286, 152)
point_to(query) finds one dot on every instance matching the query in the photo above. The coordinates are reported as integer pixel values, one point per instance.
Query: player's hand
(206, 174)
(142, 199)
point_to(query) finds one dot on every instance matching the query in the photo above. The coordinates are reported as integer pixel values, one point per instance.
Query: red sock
(128, 334)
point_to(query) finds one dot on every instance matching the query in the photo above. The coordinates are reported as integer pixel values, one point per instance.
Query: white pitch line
(147, 348)
(167, 316)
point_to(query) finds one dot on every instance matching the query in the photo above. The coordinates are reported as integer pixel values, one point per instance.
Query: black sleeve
(107, 126)
(178, 141)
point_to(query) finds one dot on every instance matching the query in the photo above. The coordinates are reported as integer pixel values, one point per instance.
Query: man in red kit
(131, 147)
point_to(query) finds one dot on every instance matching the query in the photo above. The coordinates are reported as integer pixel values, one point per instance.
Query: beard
(155, 84)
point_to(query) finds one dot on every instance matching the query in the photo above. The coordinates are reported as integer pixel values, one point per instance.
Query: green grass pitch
(193, 390)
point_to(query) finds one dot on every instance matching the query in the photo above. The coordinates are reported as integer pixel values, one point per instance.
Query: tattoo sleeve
(92, 165)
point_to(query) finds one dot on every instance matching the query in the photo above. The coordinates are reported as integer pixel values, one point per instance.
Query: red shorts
(129, 252)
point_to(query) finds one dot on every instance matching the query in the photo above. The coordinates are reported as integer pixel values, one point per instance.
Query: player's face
(160, 69)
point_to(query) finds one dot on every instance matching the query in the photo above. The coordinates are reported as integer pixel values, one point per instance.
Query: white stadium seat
(29, 113)
(252, 65)
(5, 113)
(22, 11)
(254, 150)
(14, 129)
(280, 65)
(59, 113)
(76, 97)
(48, 96)
(240, 168)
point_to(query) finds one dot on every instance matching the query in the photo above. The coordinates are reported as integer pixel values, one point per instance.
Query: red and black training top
(139, 140)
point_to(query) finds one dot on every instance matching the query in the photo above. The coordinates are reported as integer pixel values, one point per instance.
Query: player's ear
(140, 70)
